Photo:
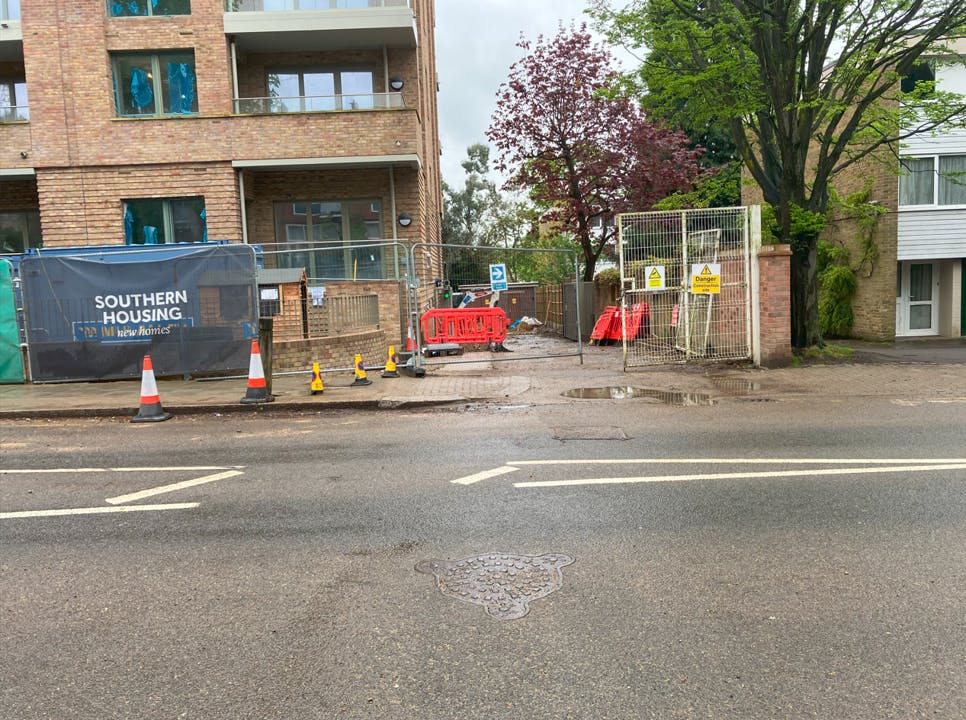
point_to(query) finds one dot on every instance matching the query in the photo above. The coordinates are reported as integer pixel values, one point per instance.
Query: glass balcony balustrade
(317, 103)
(14, 113)
(290, 5)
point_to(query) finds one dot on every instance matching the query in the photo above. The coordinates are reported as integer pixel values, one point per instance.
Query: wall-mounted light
(405, 220)
(396, 84)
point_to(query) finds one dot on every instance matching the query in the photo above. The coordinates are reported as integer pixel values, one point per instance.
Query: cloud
(475, 47)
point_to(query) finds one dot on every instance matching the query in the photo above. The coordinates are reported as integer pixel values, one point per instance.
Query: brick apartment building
(255, 121)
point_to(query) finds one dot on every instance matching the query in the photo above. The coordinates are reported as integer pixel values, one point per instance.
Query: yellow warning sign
(654, 277)
(705, 279)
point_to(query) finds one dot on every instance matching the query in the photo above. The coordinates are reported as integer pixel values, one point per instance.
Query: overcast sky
(476, 42)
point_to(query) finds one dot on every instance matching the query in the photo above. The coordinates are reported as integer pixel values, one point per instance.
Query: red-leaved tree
(585, 155)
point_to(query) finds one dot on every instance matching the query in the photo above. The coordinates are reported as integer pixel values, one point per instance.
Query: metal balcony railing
(272, 5)
(317, 103)
(14, 113)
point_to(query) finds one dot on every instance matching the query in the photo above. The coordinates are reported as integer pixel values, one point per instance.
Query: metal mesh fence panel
(686, 294)
(470, 298)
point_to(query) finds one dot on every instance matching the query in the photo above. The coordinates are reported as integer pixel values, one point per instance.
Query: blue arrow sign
(498, 277)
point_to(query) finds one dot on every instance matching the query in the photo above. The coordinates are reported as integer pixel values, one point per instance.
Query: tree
(806, 88)
(583, 154)
(471, 215)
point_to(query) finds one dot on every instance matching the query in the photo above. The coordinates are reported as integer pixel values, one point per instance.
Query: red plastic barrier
(607, 329)
(608, 325)
(464, 326)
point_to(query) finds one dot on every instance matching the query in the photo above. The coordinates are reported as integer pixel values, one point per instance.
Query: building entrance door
(917, 293)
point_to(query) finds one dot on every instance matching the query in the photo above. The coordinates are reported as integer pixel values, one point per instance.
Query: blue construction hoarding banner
(95, 316)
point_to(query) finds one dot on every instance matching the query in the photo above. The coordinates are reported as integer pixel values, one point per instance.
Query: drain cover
(668, 397)
(503, 584)
(588, 433)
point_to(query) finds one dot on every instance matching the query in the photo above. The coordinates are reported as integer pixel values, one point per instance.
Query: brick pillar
(775, 302)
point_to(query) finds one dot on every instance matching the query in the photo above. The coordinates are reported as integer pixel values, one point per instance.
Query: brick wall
(331, 352)
(874, 304)
(83, 206)
(774, 297)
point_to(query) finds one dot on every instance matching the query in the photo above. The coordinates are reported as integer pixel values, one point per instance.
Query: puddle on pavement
(733, 386)
(618, 392)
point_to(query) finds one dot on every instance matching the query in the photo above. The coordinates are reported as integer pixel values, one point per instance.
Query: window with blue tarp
(155, 84)
(158, 221)
(126, 8)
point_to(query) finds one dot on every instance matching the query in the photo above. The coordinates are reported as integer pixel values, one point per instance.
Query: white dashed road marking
(94, 510)
(120, 499)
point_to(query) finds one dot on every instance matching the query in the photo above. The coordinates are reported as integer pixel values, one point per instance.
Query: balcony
(14, 113)
(317, 103)
(267, 26)
(11, 32)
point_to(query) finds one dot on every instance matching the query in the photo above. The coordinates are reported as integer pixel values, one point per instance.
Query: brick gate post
(775, 301)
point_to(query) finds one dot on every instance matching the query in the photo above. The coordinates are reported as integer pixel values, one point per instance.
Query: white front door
(917, 294)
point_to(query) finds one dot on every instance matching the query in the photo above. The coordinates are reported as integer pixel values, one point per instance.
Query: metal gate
(686, 286)
(467, 297)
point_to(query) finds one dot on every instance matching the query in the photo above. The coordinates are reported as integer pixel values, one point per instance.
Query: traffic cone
(360, 373)
(390, 371)
(150, 410)
(257, 387)
(317, 387)
(410, 341)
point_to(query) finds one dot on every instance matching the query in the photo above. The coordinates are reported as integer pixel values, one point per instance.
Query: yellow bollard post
(390, 371)
(317, 387)
(360, 373)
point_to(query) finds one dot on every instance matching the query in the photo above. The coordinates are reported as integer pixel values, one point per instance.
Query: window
(19, 230)
(142, 80)
(333, 227)
(165, 220)
(13, 100)
(922, 72)
(120, 8)
(933, 180)
(315, 90)
(9, 9)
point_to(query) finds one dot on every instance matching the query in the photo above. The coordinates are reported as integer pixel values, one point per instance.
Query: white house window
(952, 180)
(922, 72)
(937, 180)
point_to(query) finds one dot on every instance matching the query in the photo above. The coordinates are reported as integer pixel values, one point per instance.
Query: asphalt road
(755, 560)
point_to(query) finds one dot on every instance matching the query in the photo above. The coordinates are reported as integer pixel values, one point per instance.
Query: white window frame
(938, 179)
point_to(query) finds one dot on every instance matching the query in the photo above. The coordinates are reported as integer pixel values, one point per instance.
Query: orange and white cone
(257, 387)
(150, 410)
(410, 341)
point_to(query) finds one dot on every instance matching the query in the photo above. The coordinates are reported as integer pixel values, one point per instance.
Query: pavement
(910, 371)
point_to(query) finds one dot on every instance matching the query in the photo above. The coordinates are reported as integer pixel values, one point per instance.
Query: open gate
(686, 286)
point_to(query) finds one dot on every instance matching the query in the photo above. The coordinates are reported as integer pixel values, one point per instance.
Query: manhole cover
(503, 584)
(668, 397)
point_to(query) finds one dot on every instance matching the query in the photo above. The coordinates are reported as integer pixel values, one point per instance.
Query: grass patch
(827, 355)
